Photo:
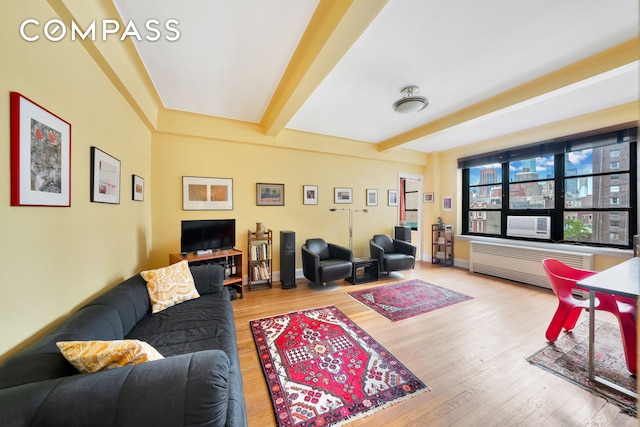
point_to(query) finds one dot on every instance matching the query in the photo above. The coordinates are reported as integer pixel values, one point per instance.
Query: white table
(622, 279)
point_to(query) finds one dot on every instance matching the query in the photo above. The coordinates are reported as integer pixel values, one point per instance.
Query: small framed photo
(310, 194)
(105, 177)
(269, 194)
(201, 193)
(342, 195)
(427, 197)
(137, 188)
(40, 155)
(393, 198)
(447, 203)
(372, 197)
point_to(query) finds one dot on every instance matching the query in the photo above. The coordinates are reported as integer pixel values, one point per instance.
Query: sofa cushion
(130, 299)
(93, 356)
(208, 278)
(199, 324)
(170, 285)
(43, 359)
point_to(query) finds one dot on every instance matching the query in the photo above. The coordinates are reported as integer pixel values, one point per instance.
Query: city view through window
(594, 186)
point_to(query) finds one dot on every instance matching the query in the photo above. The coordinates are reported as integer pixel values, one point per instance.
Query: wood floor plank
(472, 354)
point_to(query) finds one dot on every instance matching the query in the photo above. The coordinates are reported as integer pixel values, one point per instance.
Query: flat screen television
(206, 234)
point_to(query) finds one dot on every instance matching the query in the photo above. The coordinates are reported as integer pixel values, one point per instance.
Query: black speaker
(288, 259)
(403, 233)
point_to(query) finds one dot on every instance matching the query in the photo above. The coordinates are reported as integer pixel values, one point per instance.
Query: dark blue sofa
(198, 383)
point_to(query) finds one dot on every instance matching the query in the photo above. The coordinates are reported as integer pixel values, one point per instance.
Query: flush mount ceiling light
(410, 103)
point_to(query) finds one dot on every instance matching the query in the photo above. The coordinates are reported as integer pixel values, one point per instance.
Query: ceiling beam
(333, 29)
(607, 60)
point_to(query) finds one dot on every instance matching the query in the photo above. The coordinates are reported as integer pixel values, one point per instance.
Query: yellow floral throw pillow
(93, 356)
(170, 285)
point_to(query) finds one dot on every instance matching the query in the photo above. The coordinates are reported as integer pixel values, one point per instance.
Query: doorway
(410, 208)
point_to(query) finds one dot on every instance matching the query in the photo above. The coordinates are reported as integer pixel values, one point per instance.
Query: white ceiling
(232, 55)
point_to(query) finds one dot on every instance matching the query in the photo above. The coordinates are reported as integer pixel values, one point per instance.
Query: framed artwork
(137, 188)
(310, 194)
(393, 198)
(207, 194)
(372, 197)
(427, 197)
(447, 203)
(105, 177)
(342, 195)
(269, 194)
(40, 155)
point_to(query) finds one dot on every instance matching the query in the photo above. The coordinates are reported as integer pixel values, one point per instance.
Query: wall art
(201, 193)
(40, 155)
(310, 194)
(105, 177)
(269, 194)
(342, 195)
(137, 188)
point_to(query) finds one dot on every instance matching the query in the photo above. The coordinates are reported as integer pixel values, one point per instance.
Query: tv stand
(235, 280)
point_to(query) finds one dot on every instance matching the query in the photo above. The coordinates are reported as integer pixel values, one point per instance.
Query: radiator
(520, 264)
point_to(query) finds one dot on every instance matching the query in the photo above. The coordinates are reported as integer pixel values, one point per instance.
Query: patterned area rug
(402, 300)
(322, 369)
(568, 358)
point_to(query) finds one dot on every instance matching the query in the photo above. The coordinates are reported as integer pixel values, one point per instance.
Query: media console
(232, 256)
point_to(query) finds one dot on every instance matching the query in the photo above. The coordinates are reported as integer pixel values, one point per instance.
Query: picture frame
(342, 195)
(40, 155)
(427, 197)
(310, 194)
(392, 198)
(372, 197)
(207, 194)
(269, 194)
(105, 177)
(137, 188)
(447, 203)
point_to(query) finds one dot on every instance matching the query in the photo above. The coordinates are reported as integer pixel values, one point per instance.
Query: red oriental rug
(322, 369)
(402, 300)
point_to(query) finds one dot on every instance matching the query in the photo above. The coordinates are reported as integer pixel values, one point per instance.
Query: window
(585, 184)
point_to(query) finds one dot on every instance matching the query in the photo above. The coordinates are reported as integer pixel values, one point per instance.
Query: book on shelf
(260, 251)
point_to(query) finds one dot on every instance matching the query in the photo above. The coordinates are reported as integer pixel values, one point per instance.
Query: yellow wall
(247, 164)
(54, 259)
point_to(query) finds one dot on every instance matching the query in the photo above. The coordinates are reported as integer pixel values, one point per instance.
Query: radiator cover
(521, 264)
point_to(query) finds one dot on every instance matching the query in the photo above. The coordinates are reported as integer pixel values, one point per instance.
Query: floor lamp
(351, 211)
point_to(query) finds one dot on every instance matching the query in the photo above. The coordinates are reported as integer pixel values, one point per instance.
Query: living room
(55, 259)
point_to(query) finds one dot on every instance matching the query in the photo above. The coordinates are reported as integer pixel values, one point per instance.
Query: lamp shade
(410, 103)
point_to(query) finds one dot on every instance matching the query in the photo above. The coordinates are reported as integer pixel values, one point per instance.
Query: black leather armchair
(392, 254)
(324, 262)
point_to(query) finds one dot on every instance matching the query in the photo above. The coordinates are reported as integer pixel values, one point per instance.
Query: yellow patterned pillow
(170, 285)
(93, 356)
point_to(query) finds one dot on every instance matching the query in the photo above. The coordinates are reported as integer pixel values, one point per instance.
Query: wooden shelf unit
(259, 259)
(442, 244)
(224, 257)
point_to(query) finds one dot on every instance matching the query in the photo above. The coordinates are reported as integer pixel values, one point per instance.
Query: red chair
(563, 280)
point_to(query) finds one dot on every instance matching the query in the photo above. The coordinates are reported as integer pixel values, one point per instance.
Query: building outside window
(586, 185)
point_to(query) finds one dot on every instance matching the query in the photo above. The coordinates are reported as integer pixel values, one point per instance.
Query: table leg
(592, 335)
(592, 332)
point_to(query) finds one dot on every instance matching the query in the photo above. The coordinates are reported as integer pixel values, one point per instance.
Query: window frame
(558, 149)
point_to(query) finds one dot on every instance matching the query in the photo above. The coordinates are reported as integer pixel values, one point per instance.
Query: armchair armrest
(377, 252)
(190, 389)
(340, 252)
(310, 264)
(403, 247)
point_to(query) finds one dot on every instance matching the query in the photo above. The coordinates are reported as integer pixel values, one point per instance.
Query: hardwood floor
(471, 355)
